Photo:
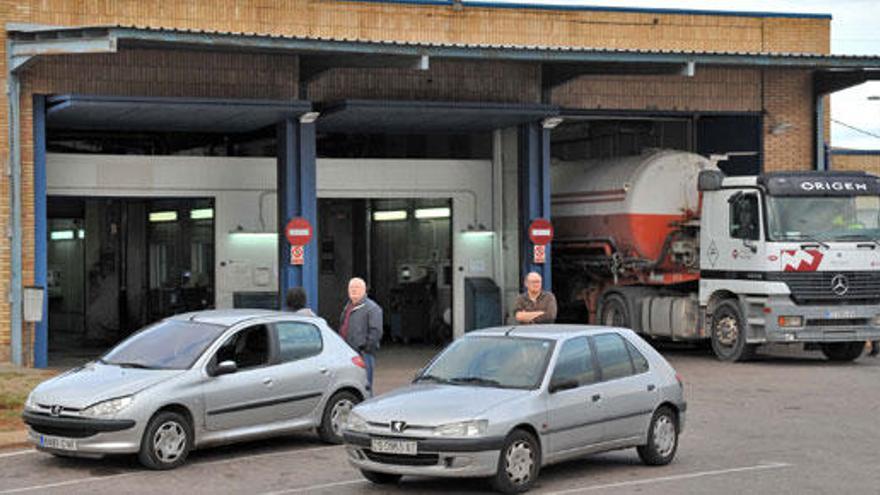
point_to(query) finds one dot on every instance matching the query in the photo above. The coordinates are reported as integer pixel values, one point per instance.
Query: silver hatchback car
(503, 402)
(200, 379)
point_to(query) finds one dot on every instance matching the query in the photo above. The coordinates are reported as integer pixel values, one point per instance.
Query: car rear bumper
(82, 437)
(459, 458)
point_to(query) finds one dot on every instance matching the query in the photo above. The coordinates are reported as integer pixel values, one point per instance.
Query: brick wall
(868, 162)
(788, 106)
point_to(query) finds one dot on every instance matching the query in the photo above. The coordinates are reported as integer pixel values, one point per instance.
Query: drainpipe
(13, 233)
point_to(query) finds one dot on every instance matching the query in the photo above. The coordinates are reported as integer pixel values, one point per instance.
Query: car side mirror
(225, 368)
(562, 385)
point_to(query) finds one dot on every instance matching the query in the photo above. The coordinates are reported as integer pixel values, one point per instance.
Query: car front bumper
(81, 437)
(457, 458)
(820, 323)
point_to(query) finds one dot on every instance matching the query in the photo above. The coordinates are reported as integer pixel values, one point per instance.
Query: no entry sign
(298, 231)
(541, 231)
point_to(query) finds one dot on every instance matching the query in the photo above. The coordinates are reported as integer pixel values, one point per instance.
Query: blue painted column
(297, 197)
(534, 194)
(41, 328)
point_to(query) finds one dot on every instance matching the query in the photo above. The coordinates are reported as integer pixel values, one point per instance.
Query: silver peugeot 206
(200, 379)
(502, 402)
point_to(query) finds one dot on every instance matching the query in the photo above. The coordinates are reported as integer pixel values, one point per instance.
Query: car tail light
(359, 362)
(680, 381)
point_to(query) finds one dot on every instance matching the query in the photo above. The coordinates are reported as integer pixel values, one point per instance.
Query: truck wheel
(614, 311)
(729, 333)
(843, 351)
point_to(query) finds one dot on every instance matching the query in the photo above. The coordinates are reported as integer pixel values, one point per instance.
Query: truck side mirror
(752, 245)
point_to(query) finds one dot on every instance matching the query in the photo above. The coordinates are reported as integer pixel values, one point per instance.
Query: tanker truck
(666, 244)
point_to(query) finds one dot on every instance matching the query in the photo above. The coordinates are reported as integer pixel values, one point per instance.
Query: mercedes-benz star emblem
(55, 410)
(840, 285)
(398, 426)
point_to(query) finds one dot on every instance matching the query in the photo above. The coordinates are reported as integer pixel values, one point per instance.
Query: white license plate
(389, 446)
(58, 443)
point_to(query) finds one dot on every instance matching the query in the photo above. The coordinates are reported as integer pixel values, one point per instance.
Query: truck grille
(819, 287)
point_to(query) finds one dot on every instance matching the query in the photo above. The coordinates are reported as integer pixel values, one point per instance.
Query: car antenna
(507, 333)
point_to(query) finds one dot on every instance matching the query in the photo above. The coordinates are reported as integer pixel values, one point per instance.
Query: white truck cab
(791, 258)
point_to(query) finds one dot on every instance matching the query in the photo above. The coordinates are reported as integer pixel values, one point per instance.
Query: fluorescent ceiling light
(61, 235)
(385, 216)
(82, 233)
(433, 212)
(478, 233)
(163, 216)
(202, 214)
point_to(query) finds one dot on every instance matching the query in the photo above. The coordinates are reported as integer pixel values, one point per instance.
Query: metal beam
(41, 328)
(14, 235)
(534, 194)
(27, 45)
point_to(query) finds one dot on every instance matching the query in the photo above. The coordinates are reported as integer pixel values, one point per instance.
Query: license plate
(58, 443)
(389, 446)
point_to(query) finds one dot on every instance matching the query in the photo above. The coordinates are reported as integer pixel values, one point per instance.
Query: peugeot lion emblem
(55, 410)
(839, 285)
(398, 426)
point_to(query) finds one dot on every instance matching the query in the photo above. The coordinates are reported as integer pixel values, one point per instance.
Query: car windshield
(504, 362)
(169, 344)
(823, 218)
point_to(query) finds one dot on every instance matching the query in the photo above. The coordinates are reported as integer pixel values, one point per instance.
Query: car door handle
(323, 370)
(596, 398)
(267, 382)
(651, 387)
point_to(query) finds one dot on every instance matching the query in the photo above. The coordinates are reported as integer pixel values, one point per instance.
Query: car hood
(435, 404)
(95, 382)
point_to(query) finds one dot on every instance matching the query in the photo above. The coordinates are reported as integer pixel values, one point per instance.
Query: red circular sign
(541, 231)
(298, 231)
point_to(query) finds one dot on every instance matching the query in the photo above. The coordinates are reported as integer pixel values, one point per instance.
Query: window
(639, 361)
(298, 340)
(744, 217)
(613, 357)
(249, 348)
(575, 362)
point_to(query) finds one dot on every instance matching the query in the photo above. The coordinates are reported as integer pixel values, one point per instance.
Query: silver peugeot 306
(502, 402)
(200, 379)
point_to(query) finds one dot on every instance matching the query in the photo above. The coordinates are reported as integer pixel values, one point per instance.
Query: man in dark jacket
(361, 324)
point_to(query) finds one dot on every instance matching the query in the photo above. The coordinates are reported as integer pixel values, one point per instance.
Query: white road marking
(674, 477)
(194, 464)
(317, 487)
(18, 452)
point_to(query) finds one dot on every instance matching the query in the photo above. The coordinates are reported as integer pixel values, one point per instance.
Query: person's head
(357, 289)
(532, 282)
(296, 298)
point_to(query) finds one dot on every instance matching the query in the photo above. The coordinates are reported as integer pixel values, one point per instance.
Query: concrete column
(534, 193)
(297, 197)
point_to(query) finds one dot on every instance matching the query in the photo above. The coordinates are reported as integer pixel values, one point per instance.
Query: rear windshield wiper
(476, 380)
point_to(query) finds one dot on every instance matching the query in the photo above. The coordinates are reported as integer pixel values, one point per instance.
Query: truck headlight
(107, 407)
(791, 321)
(355, 423)
(462, 429)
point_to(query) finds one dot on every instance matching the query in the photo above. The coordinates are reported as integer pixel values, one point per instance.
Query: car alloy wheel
(169, 442)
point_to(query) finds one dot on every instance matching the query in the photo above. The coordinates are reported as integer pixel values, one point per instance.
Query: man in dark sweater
(535, 305)
(361, 324)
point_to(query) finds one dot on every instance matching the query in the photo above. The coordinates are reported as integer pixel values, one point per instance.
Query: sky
(855, 30)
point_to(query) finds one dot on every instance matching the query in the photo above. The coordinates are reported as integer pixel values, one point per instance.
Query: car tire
(518, 463)
(662, 439)
(167, 441)
(381, 478)
(728, 333)
(843, 351)
(334, 416)
(615, 312)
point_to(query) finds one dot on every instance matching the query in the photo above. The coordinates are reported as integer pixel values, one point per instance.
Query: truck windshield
(823, 218)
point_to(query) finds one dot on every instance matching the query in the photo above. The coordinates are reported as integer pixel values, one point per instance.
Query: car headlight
(30, 403)
(355, 423)
(107, 407)
(462, 429)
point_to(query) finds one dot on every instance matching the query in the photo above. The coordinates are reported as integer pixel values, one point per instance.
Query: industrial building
(156, 149)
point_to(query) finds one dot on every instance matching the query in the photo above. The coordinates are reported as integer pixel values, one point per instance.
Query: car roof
(229, 317)
(546, 331)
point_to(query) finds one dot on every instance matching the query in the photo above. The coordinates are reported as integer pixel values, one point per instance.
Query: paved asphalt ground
(789, 423)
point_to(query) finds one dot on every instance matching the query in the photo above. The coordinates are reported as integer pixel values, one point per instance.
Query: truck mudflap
(784, 321)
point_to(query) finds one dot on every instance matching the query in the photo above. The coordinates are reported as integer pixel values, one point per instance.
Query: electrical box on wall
(33, 304)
